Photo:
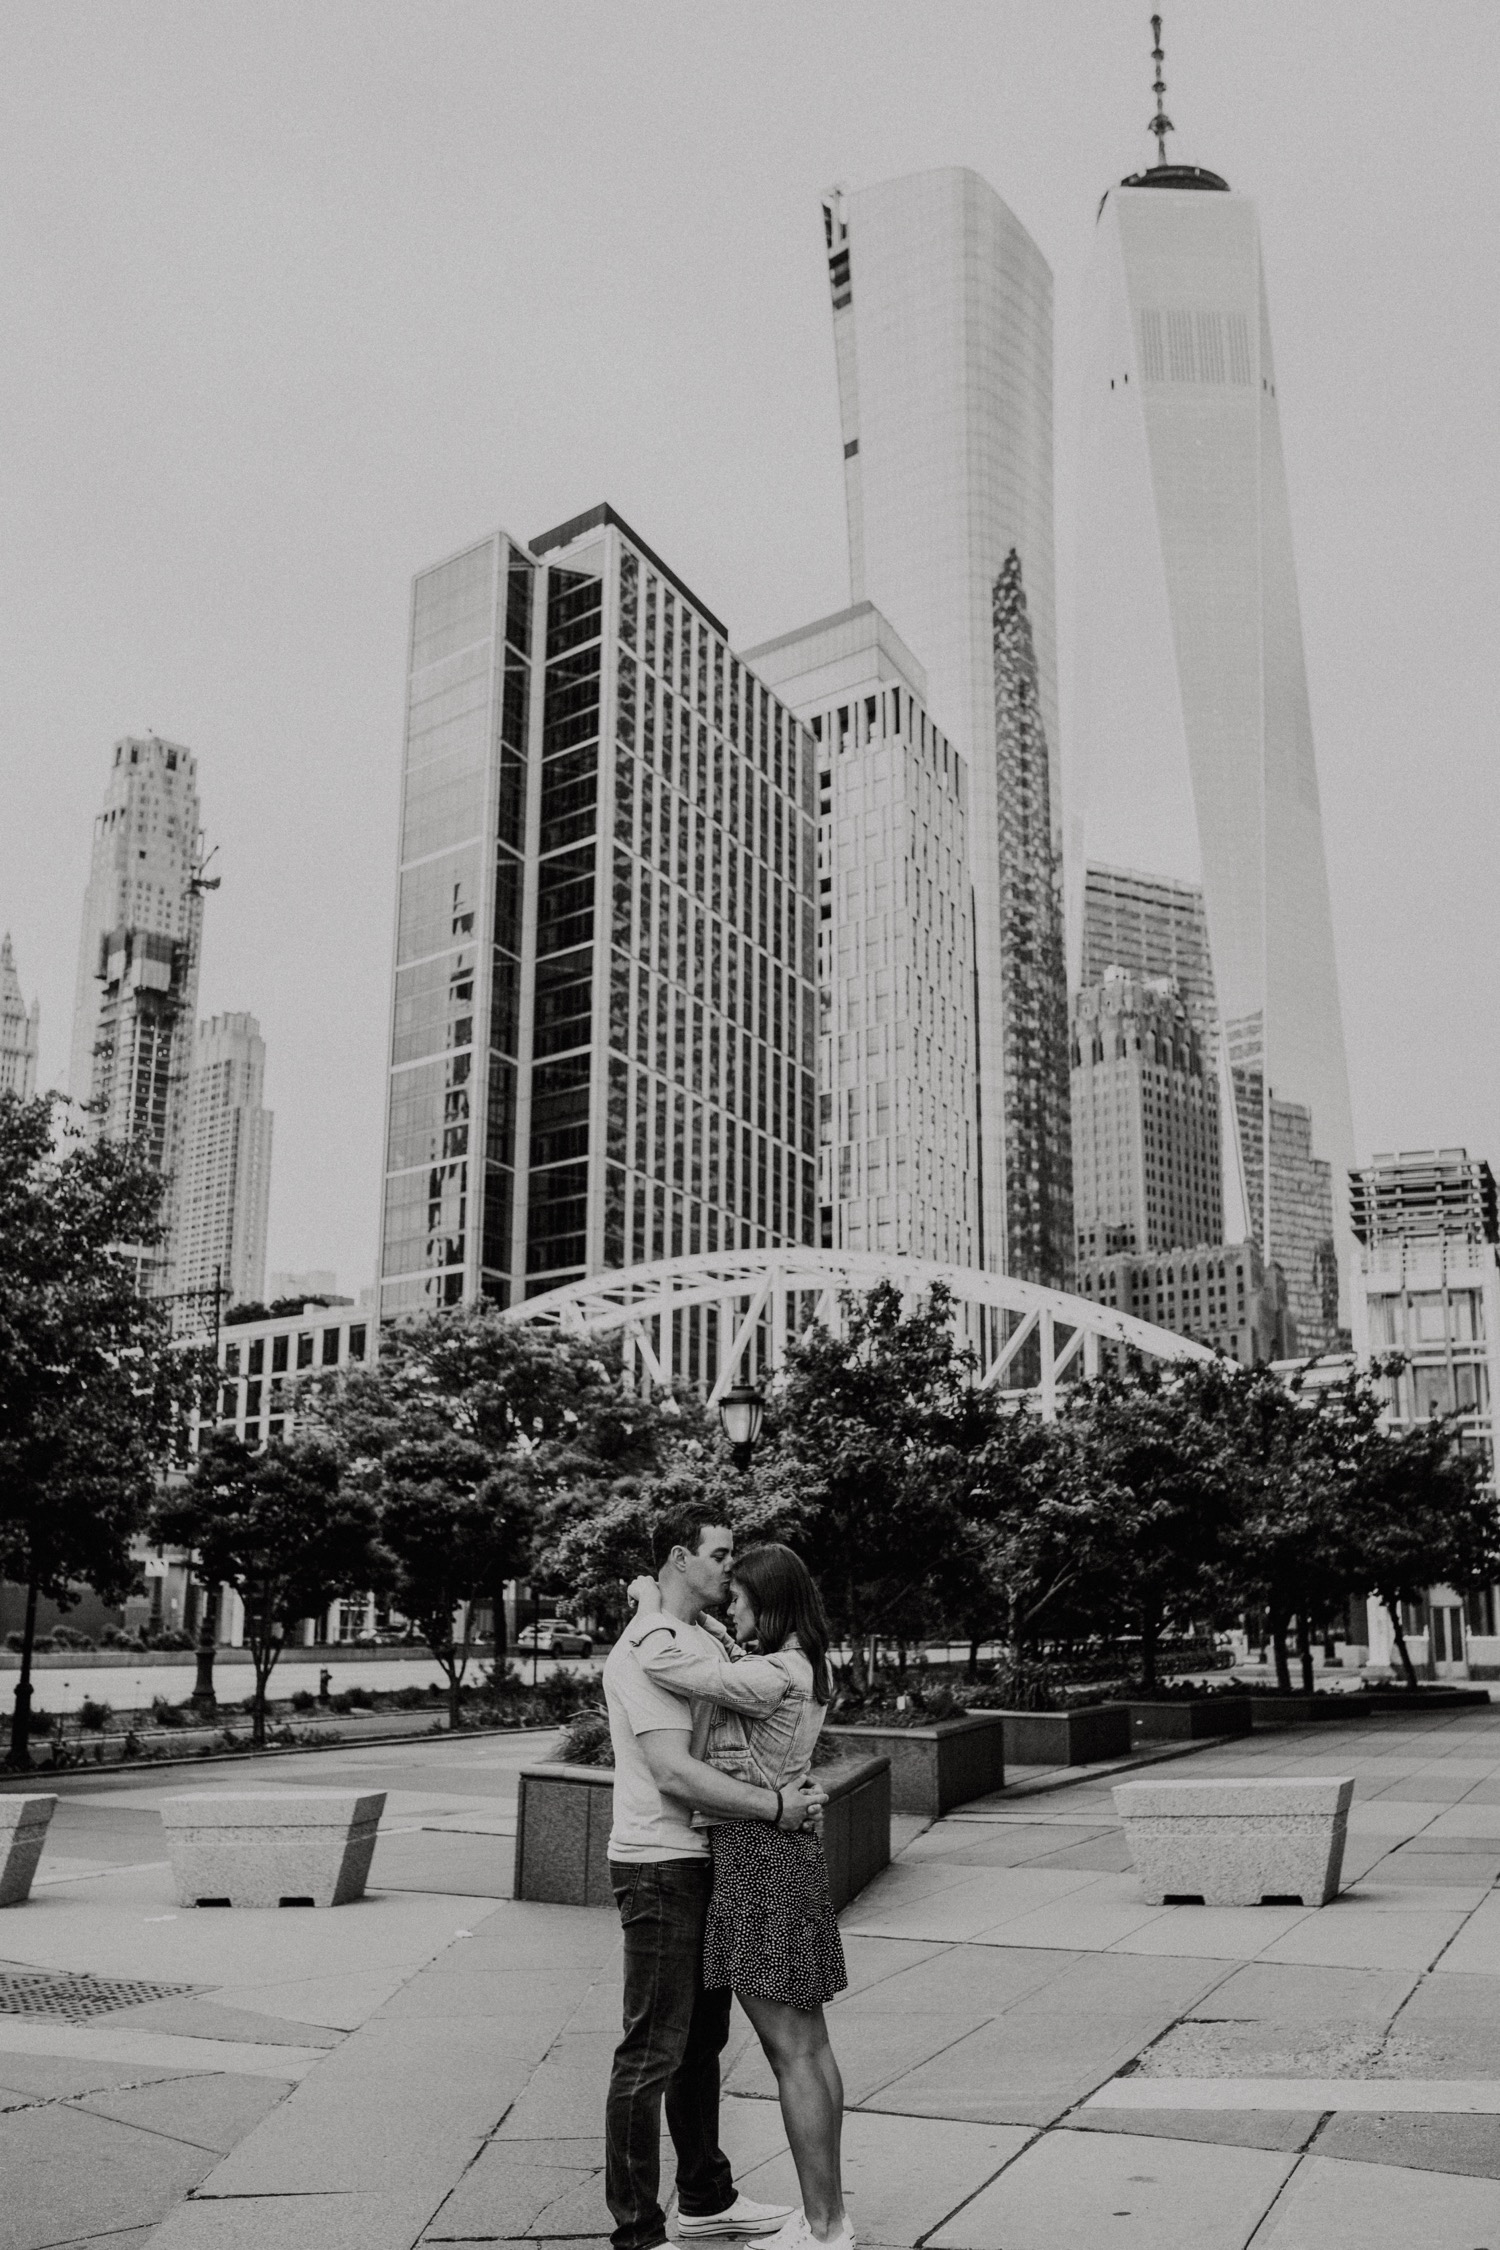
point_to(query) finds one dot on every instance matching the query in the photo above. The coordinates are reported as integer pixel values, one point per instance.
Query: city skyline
(270, 654)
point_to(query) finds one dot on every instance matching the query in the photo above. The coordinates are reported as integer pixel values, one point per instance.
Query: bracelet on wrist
(780, 1808)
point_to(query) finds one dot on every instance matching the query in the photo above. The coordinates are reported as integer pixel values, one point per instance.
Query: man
(661, 1872)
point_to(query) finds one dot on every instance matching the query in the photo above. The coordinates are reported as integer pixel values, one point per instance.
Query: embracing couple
(717, 1864)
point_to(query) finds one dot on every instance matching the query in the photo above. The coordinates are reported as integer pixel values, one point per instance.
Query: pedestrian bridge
(723, 1317)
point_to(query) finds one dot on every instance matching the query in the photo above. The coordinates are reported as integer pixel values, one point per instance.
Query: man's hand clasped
(802, 1807)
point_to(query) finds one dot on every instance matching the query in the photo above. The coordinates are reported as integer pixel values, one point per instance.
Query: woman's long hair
(786, 1601)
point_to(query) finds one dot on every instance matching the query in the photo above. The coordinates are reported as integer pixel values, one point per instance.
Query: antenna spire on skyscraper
(1160, 124)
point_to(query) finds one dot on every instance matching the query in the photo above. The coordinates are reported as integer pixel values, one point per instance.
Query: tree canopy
(94, 1396)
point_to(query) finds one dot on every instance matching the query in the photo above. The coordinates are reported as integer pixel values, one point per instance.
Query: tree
(477, 1440)
(868, 1462)
(1158, 1490)
(1415, 1511)
(280, 1529)
(1288, 1545)
(93, 1396)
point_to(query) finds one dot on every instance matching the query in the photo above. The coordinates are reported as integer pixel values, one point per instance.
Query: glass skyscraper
(1193, 729)
(602, 1043)
(942, 321)
(895, 965)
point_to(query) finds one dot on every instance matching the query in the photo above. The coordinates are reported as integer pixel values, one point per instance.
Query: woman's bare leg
(812, 2102)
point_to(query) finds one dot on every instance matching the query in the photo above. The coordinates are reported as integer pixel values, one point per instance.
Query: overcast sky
(300, 297)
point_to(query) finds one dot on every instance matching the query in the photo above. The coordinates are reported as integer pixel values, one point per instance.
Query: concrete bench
(272, 1847)
(1236, 1843)
(24, 1822)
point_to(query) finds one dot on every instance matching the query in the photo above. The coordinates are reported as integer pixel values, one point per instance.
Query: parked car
(553, 1638)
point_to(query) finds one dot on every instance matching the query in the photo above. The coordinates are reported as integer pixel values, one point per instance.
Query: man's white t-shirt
(648, 1825)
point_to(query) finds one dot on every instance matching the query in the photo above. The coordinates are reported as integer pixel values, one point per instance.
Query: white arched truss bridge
(724, 1317)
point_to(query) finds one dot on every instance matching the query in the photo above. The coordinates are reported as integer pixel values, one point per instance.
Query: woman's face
(741, 1615)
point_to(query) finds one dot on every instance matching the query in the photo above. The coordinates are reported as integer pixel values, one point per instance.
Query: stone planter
(272, 1847)
(1236, 1843)
(1190, 1719)
(1067, 1738)
(1305, 1710)
(934, 1768)
(564, 1813)
(24, 1822)
(1422, 1699)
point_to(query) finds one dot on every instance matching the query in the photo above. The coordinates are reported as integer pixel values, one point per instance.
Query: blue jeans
(674, 2035)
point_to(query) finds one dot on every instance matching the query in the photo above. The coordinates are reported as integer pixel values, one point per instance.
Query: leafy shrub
(586, 1742)
(66, 1637)
(304, 1700)
(409, 1698)
(558, 1697)
(94, 1717)
(339, 1703)
(44, 1644)
(171, 1637)
(165, 1714)
(359, 1699)
(116, 1636)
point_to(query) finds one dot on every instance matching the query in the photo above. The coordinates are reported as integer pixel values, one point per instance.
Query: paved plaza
(1035, 2059)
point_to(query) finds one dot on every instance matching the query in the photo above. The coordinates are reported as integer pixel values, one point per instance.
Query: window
(278, 1354)
(257, 1359)
(330, 1347)
(305, 1350)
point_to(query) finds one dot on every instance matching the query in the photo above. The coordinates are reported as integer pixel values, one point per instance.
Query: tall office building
(1150, 927)
(138, 959)
(20, 1029)
(602, 1041)
(226, 1178)
(1192, 719)
(942, 320)
(1145, 1123)
(895, 970)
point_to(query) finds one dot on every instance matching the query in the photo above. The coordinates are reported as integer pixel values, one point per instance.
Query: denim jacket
(755, 1717)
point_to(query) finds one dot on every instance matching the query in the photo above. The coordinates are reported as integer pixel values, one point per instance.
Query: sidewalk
(1035, 2060)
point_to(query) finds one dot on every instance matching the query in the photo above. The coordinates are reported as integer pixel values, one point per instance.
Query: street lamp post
(741, 1413)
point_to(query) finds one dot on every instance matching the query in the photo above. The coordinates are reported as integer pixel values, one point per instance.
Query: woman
(772, 1936)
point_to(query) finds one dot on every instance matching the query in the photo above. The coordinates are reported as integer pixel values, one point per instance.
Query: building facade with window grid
(603, 1027)
(896, 1126)
(226, 1183)
(262, 1362)
(1429, 1257)
(19, 1029)
(136, 1001)
(1145, 1121)
(1221, 1293)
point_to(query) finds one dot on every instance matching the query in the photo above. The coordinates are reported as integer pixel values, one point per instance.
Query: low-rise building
(1428, 1230)
(1221, 1293)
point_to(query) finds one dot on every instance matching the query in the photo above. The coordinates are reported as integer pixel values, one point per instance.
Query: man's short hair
(682, 1527)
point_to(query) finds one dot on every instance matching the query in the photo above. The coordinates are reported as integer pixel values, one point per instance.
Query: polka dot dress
(771, 1926)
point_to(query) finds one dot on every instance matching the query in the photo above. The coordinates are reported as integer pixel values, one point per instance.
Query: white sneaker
(742, 2217)
(798, 2235)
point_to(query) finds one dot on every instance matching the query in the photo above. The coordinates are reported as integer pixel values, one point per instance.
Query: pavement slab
(1335, 2205)
(69, 2175)
(1074, 2191)
(209, 2113)
(1443, 2142)
(1289, 2129)
(902, 2176)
